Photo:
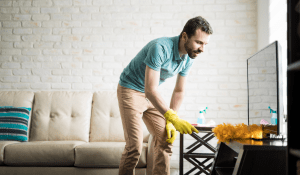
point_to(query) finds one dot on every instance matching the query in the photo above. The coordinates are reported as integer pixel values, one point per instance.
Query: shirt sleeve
(155, 57)
(187, 68)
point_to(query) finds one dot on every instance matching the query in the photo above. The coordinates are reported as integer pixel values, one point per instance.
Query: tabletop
(204, 128)
(249, 144)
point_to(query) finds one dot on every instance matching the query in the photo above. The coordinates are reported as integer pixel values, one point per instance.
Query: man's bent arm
(178, 93)
(151, 92)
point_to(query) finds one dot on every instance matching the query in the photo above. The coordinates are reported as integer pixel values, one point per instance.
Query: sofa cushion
(61, 116)
(41, 153)
(2, 146)
(14, 123)
(104, 154)
(17, 99)
(106, 123)
(13, 170)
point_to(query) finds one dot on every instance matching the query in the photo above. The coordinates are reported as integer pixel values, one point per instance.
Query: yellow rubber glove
(180, 125)
(171, 132)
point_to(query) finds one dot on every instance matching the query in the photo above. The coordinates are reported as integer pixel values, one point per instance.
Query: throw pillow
(14, 123)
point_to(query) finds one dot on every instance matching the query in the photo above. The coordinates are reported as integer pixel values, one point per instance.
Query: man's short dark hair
(195, 23)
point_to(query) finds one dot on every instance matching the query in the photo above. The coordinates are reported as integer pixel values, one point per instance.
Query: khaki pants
(134, 106)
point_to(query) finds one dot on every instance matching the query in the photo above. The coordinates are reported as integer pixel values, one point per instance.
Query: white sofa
(70, 132)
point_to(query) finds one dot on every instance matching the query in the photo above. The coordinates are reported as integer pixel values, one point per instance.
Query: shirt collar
(176, 51)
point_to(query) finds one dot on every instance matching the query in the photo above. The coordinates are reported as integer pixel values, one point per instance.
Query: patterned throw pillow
(14, 123)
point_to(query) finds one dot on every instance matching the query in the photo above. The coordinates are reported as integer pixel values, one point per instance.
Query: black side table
(191, 157)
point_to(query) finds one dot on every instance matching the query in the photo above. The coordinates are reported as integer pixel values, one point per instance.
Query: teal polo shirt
(160, 55)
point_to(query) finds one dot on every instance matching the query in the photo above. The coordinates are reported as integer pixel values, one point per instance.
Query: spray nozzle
(271, 110)
(204, 110)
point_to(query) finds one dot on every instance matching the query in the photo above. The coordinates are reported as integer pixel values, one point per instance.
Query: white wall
(85, 44)
(272, 26)
(278, 31)
(263, 18)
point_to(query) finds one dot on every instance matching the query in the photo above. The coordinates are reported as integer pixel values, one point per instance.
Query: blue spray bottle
(201, 118)
(274, 116)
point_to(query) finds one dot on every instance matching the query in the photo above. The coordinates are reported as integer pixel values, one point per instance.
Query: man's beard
(190, 51)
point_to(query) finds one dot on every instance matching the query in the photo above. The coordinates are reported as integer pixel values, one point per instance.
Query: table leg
(181, 155)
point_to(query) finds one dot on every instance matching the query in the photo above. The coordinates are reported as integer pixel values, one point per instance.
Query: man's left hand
(171, 132)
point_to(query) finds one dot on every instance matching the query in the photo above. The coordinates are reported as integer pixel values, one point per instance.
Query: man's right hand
(181, 125)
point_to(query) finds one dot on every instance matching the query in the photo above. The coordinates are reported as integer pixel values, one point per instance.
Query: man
(138, 97)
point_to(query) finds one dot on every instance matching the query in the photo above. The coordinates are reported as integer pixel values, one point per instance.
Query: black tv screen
(265, 86)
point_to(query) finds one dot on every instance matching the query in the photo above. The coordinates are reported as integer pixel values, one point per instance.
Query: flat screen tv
(265, 86)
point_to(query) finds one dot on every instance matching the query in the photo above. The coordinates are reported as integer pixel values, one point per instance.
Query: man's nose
(201, 48)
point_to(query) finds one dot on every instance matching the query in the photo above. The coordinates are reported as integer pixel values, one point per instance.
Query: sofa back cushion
(106, 123)
(61, 115)
(17, 99)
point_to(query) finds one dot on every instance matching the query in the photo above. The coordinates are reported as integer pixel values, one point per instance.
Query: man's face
(196, 43)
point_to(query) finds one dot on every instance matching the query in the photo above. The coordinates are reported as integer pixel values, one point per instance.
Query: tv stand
(248, 157)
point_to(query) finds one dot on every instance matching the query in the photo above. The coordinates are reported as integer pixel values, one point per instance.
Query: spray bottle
(274, 116)
(201, 118)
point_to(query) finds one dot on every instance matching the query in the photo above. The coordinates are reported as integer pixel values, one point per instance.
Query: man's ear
(184, 36)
